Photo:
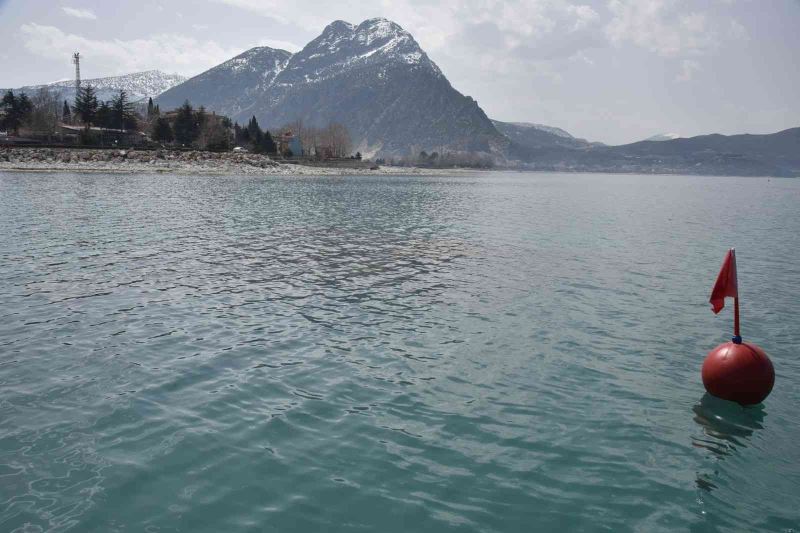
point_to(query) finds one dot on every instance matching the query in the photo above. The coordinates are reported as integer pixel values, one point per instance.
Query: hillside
(372, 77)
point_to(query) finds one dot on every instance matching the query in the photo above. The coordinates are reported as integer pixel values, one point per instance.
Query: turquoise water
(500, 352)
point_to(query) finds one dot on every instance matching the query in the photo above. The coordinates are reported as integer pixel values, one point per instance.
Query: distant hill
(775, 154)
(372, 77)
(529, 140)
(139, 85)
(663, 137)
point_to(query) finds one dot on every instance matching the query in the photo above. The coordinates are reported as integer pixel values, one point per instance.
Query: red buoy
(737, 371)
(740, 373)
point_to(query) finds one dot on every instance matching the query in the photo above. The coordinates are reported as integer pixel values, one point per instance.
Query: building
(108, 136)
(287, 142)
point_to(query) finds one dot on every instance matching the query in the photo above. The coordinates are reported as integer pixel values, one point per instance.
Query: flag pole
(737, 337)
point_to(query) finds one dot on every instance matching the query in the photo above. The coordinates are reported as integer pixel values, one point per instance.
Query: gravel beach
(177, 162)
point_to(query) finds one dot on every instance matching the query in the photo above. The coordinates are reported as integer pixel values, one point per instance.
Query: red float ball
(740, 373)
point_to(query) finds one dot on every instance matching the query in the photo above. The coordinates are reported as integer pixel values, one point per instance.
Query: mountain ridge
(373, 77)
(138, 85)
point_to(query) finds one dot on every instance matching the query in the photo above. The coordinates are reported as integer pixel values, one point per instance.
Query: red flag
(726, 284)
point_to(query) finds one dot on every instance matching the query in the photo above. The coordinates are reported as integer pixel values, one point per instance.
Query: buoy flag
(726, 284)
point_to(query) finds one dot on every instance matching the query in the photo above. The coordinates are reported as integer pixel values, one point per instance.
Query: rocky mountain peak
(372, 77)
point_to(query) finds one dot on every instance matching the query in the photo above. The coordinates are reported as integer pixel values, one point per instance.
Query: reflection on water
(726, 427)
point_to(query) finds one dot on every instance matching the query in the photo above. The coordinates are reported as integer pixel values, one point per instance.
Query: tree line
(117, 113)
(186, 126)
(443, 160)
(43, 112)
(190, 128)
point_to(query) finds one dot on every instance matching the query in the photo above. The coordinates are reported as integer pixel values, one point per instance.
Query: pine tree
(17, 109)
(267, 144)
(86, 105)
(162, 131)
(66, 114)
(185, 128)
(25, 104)
(245, 136)
(103, 117)
(150, 108)
(256, 135)
(201, 117)
(122, 114)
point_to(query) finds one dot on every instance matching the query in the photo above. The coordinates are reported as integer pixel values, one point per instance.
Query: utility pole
(76, 58)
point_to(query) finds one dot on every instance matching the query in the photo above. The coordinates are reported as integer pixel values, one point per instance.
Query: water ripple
(499, 352)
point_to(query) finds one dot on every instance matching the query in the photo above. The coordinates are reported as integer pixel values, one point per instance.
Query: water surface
(494, 352)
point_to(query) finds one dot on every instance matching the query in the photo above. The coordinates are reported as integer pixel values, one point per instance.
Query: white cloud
(661, 26)
(168, 52)
(688, 68)
(435, 24)
(79, 13)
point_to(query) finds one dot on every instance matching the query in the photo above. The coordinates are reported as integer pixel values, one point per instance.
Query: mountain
(528, 138)
(372, 77)
(233, 87)
(139, 85)
(664, 137)
(775, 154)
(527, 126)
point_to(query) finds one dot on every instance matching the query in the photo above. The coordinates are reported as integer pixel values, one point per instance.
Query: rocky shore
(171, 161)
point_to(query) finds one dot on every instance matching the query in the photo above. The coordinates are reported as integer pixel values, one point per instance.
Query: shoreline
(34, 160)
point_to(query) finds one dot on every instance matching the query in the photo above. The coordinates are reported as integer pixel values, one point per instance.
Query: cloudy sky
(608, 70)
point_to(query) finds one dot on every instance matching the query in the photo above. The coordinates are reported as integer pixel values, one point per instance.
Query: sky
(613, 71)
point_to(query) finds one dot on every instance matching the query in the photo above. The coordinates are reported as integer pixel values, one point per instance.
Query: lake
(495, 352)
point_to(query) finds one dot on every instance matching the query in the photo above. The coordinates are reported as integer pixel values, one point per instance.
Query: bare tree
(339, 139)
(46, 112)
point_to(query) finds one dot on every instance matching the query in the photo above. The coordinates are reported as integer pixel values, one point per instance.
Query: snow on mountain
(233, 87)
(527, 138)
(372, 77)
(664, 137)
(541, 127)
(139, 85)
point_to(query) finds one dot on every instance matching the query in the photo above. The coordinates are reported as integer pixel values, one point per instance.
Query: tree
(162, 131)
(150, 108)
(256, 136)
(66, 114)
(17, 109)
(122, 115)
(268, 145)
(45, 112)
(338, 139)
(86, 105)
(214, 135)
(103, 117)
(185, 128)
(200, 118)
